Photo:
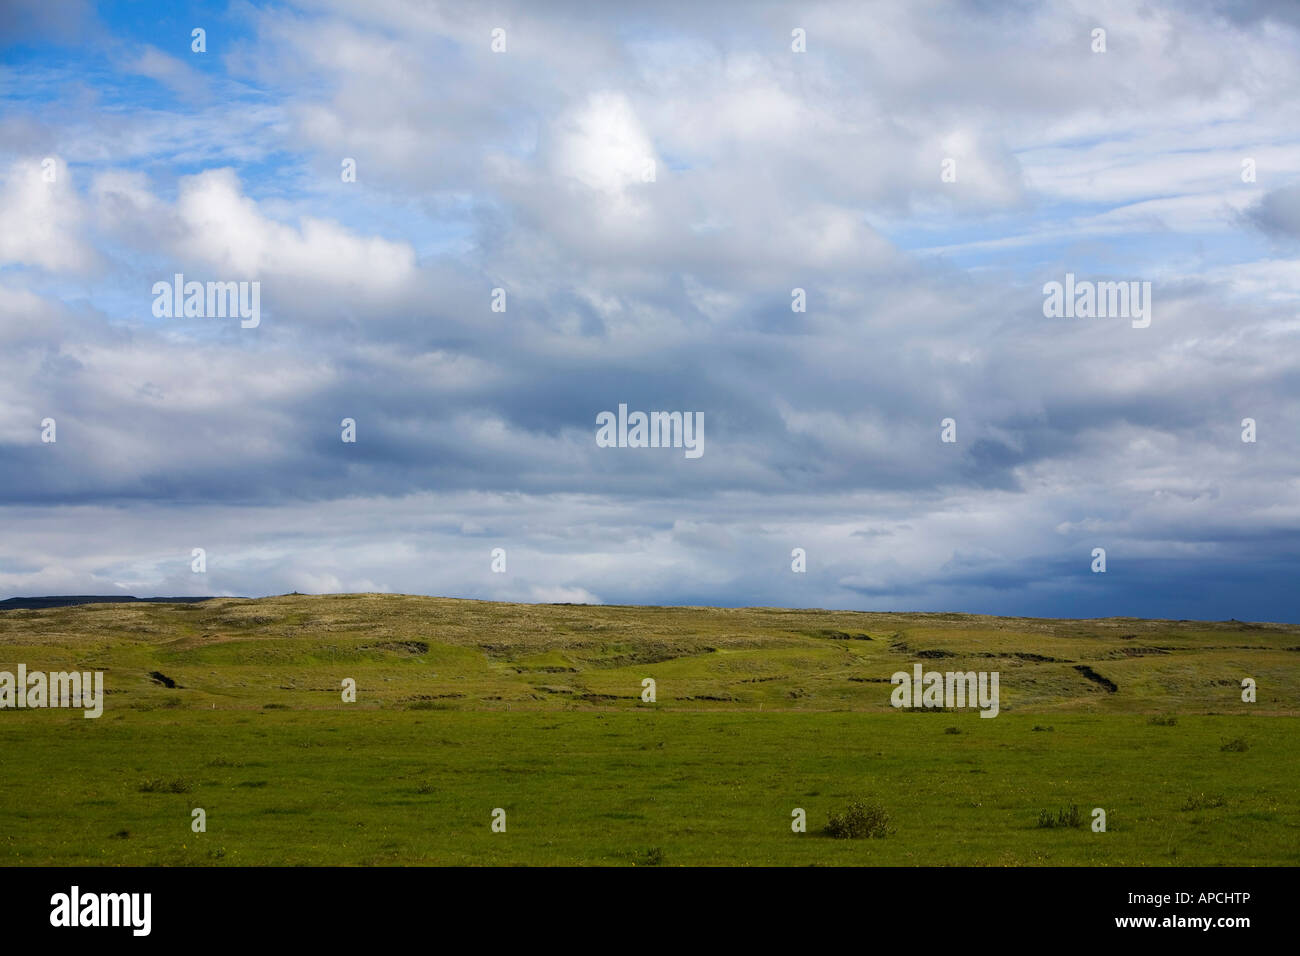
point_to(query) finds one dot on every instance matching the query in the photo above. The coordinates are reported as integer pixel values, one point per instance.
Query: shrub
(224, 762)
(1199, 801)
(1062, 818)
(1236, 745)
(859, 820)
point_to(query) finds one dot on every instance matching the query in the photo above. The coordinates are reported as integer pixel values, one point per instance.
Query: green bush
(1062, 818)
(858, 821)
(1199, 801)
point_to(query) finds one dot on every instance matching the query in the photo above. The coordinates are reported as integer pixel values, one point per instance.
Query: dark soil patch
(1096, 678)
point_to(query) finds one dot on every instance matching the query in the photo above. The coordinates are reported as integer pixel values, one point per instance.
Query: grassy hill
(407, 651)
(234, 706)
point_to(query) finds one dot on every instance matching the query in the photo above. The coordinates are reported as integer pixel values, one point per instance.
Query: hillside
(418, 652)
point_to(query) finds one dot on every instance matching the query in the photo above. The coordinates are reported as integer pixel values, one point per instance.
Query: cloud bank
(470, 253)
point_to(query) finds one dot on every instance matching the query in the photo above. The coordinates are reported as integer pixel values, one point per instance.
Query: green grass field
(463, 707)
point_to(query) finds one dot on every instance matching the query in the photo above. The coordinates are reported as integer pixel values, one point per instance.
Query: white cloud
(42, 219)
(227, 230)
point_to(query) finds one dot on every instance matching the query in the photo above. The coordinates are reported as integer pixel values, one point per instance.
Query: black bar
(327, 906)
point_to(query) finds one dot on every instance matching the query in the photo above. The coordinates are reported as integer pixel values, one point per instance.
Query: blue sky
(525, 170)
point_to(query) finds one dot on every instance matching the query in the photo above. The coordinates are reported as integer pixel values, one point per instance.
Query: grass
(463, 707)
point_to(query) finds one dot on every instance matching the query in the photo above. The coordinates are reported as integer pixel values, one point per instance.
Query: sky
(476, 227)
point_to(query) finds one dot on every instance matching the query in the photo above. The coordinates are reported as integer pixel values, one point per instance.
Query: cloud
(227, 231)
(773, 171)
(563, 595)
(42, 213)
(1278, 212)
(174, 73)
